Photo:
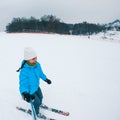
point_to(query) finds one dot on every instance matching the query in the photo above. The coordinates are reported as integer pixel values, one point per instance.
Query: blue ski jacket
(29, 78)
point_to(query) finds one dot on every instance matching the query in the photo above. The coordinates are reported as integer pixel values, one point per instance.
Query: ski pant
(38, 100)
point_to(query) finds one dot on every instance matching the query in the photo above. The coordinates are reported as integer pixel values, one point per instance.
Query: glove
(48, 81)
(27, 97)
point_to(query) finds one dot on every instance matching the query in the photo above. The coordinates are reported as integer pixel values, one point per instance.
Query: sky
(69, 11)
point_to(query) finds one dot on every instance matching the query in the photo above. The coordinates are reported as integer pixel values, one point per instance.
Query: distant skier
(30, 74)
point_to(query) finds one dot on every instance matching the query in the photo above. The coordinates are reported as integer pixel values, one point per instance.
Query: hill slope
(84, 73)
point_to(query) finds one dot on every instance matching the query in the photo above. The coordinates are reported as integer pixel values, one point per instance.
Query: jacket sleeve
(42, 75)
(23, 81)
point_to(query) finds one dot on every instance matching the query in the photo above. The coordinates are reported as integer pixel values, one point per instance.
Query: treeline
(52, 24)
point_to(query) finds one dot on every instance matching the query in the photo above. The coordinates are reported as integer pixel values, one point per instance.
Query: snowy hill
(114, 23)
(84, 72)
(110, 35)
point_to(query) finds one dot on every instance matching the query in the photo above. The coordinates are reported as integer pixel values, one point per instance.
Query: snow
(111, 35)
(84, 72)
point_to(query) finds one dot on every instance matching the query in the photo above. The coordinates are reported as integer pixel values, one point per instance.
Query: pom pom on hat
(29, 53)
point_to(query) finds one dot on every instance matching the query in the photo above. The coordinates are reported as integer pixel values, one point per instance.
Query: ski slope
(85, 75)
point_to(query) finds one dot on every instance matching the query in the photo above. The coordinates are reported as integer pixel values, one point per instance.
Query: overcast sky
(69, 11)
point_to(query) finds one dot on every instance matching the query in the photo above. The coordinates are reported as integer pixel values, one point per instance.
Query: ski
(30, 113)
(54, 110)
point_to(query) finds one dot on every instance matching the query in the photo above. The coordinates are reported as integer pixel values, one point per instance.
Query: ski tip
(66, 113)
(17, 107)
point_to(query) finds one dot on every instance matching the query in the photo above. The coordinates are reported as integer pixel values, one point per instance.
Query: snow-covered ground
(85, 75)
(113, 36)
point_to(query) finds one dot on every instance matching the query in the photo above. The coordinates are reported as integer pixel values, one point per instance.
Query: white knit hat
(29, 53)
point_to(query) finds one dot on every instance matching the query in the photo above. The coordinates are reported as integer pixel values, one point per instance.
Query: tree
(50, 23)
